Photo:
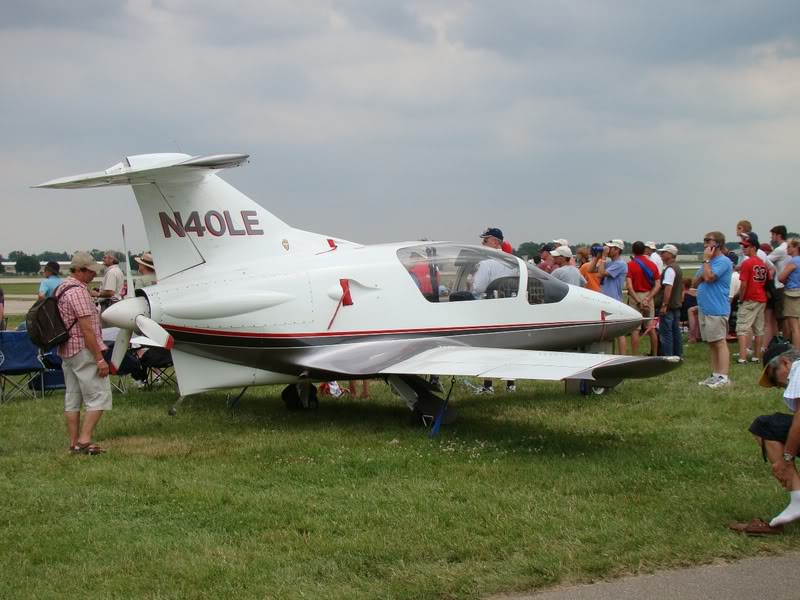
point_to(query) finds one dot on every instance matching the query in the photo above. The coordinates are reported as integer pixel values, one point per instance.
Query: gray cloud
(379, 121)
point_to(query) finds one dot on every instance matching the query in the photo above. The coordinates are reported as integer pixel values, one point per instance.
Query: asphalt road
(771, 578)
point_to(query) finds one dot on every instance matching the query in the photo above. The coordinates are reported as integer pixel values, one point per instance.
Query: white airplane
(245, 299)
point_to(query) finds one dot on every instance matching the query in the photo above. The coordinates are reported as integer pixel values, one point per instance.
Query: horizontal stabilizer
(152, 167)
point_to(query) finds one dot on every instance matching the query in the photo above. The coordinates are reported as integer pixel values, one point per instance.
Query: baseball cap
(562, 251)
(547, 248)
(84, 260)
(615, 244)
(492, 232)
(769, 354)
(561, 242)
(651, 245)
(668, 248)
(53, 266)
(749, 239)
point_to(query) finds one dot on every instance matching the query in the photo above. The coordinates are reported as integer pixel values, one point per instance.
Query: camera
(597, 249)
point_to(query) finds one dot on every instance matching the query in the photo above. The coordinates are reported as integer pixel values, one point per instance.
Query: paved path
(18, 307)
(773, 578)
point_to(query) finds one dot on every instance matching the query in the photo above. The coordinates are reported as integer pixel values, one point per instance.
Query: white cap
(669, 248)
(561, 243)
(651, 245)
(562, 251)
(615, 244)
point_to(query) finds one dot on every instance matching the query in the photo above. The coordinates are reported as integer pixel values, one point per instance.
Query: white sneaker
(512, 387)
(139, 384)
(485, 390)
(719, 383)
(707, 380)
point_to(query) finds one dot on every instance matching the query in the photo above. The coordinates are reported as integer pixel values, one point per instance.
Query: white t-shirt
(779, 257)
(113, 280)
(792, 392)
(669, 277)
(657, 261)
(488, 271)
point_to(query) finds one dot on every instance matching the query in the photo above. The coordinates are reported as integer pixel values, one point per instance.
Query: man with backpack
(85, 369)
(643, 283)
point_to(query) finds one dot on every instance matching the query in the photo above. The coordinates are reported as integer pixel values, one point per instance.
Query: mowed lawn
(526, 490)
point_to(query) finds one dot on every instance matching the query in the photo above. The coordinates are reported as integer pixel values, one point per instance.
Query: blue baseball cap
(492, 232)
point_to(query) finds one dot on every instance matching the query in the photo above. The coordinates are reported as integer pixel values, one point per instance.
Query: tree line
(29, 264)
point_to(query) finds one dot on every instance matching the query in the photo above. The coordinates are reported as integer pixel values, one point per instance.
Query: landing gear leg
(174, 410)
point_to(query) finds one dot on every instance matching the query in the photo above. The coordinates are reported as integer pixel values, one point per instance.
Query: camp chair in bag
(19, 364)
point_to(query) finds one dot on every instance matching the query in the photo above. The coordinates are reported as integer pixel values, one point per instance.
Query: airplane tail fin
(193, 217)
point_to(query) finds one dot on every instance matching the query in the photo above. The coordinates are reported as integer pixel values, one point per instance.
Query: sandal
(756, 527)
(87, 448)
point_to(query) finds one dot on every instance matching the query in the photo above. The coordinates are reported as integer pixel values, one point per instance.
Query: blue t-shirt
(616, 271)
(49, 285)
(712, 296)
(793, 281)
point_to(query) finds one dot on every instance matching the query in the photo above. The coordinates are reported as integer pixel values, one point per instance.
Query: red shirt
(637, 276)
(755, 273)
(422, 276)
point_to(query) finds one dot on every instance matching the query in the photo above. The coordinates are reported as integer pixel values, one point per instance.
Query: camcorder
(597, 249)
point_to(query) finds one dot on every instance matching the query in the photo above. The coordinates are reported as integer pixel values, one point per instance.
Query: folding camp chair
(160, 371)
(19, 363)
(52, 378)
(130, 366)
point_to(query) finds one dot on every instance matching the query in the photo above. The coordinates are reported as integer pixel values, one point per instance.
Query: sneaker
(741, 361)
(511, 387)
(719, 383)
(139, 384)
(707, 380)
(755, 359)
(485, 390)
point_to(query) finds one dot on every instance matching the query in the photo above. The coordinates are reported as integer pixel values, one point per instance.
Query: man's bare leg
(90, 420)
(73, 419)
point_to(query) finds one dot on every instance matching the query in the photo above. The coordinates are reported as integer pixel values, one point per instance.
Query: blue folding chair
(19, 364)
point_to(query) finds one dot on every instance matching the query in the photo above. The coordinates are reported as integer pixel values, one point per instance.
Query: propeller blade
(129, 293)
(120, 348)
(154, 331)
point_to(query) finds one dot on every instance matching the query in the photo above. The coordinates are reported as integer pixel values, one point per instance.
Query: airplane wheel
(291, 397)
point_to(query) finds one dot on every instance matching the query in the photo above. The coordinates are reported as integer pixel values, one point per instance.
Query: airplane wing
(431, 357)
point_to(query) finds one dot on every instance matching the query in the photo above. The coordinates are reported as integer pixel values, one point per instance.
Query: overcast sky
(394, 120)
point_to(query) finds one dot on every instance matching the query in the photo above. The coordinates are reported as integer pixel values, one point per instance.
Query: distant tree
(528, 249)
(97, 254)
(48, 255)
(27, 264)
(15, 254)
(792, 234)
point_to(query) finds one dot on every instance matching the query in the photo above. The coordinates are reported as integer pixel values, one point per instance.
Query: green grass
(524, 491)
(19, 288)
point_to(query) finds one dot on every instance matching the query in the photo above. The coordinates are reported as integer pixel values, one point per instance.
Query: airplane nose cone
(123, 314)
(627, 312)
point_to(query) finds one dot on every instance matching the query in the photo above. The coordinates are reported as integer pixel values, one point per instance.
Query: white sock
(790, 513)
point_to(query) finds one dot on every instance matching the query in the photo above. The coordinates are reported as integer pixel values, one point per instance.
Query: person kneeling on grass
(779, 434)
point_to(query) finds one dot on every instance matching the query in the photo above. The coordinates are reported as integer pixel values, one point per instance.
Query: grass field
(19, 288)
(526, 490)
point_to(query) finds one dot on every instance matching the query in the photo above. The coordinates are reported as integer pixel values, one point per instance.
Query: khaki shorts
(750, 316)
(712, 328)
(84, 386)
(791, 306)
(645, 312)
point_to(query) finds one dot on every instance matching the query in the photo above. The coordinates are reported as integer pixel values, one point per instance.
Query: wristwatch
(788, 457)
(706, 261)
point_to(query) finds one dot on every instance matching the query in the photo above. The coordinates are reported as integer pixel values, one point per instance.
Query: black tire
(291, 397)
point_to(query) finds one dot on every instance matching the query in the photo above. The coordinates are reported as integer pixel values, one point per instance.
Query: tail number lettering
(214, 222)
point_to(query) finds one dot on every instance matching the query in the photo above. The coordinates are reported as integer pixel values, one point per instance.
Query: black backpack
(45, 326)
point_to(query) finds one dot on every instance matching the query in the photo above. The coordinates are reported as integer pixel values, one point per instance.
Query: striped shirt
(73, 304)
(792, 392)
